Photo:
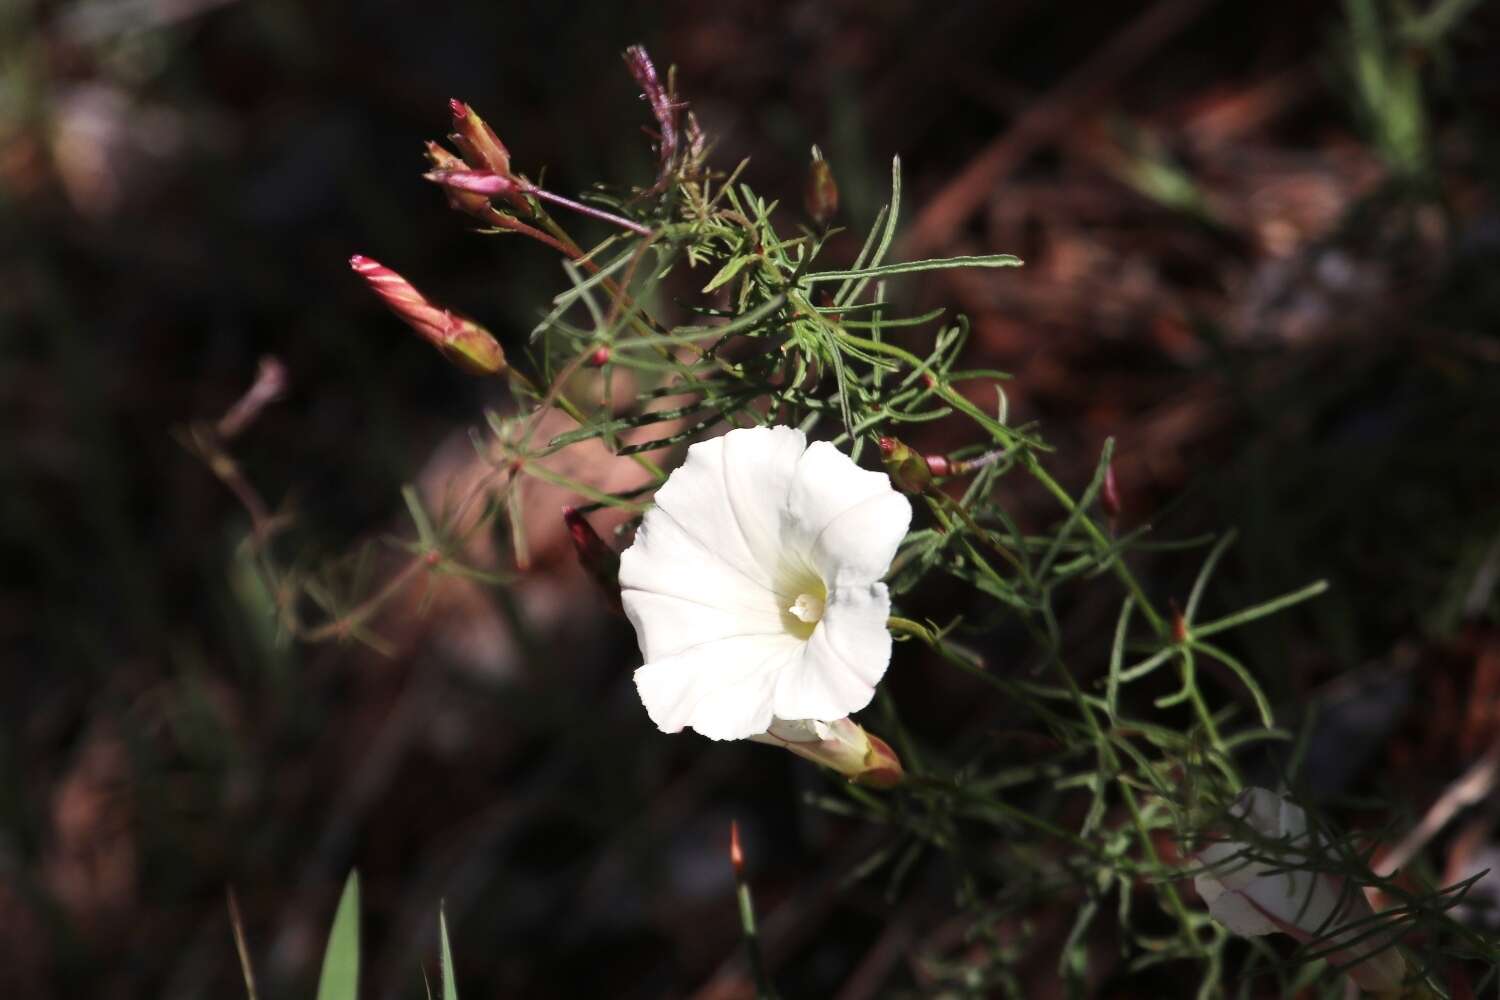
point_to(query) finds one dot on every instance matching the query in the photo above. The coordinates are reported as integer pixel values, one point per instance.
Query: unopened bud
(600, 357)
(1109, 493)
(601, 562)
(843, 746)
(820, 195)
(461, 340)
(481, 147)
(1180, 632)
(908, 471)
(476, 182)
(736, 855)
(939, 465)
(463, 201)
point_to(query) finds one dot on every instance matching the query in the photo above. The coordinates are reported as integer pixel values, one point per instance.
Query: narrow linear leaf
(912, 267)
(450, 985)
(340, 977)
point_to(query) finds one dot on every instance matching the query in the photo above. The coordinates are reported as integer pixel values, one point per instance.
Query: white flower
(754, 585)
(1252, 896)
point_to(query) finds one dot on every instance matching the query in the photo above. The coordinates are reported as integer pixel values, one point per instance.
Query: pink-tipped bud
(843, 746)
(463, 201)
(481, 147)
(600, 357)
(1180, 632)
(736, 855)
(460, 340)
(820, 195)
(601, 562)
(1109, 493)
(478, 182)
(909, 471)
(939, 465)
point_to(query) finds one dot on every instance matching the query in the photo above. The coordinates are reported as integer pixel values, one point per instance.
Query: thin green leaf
(915, 267)
(340, 977)
(450, 985)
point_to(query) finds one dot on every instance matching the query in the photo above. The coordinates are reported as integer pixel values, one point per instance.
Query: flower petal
(758, 465)
(722, 689)
(667, 624)
(727, 496)
(797, 731)
(1232, 910)
(697, 594)
(842, 661)
(850, 519)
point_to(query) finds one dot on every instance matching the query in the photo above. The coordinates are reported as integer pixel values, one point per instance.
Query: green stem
(1041, 475)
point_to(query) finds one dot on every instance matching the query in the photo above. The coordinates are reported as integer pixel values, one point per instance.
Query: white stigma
(807, 608)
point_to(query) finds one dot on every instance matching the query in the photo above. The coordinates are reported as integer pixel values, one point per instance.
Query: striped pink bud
(460, 340)
(481, 147)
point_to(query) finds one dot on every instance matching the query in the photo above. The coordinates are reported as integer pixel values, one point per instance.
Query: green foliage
(339, 979)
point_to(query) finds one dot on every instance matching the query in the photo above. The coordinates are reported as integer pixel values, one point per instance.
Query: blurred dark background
(1261, 245)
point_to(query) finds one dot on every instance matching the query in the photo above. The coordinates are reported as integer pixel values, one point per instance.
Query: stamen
(807, 608)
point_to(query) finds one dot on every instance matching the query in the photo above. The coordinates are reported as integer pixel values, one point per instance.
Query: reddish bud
(1179, 625)
(736, 855)
(460, 340)
(601, 562)
(477, 182)
(882, 766)
(600, 357)
(481, 147)
(463, 201)
(939, 465)
(1109, 492)
(908, 471)
(820, 194)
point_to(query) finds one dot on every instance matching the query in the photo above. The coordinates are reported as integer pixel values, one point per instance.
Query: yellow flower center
(801, 613)
(807, 608)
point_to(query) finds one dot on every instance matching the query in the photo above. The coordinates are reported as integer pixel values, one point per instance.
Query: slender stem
(1041, 475)
(589, 210)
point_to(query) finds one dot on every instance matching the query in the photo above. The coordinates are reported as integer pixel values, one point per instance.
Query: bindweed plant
(704, 319)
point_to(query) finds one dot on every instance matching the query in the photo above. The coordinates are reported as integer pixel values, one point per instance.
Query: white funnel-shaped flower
(754, 585)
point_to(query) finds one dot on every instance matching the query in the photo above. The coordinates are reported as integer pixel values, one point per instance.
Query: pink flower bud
(939, 465)
(736, 855)
(481, 147)
(1109, 492)
(464, 201)
(475, 182)
(600, 357)
(843, 746)
(909, 472)
(460, 340)
(599, 560)
(820, 194)
(1180, 632)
